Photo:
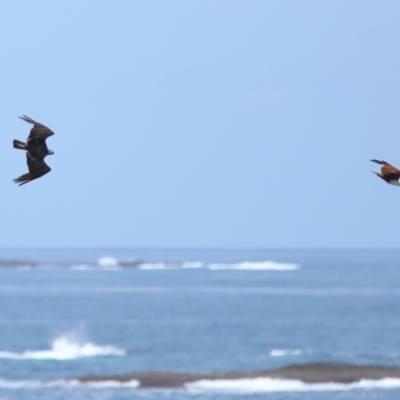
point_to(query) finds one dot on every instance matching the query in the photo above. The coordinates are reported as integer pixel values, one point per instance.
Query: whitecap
(134, 383)
(193, 264)
(162, 265)
(107, 262)
(246, 265)
(284, 353)
(256, 266)
(159, 265)
(65, 348)
(9, 384)
(249, 385)
(14, 384)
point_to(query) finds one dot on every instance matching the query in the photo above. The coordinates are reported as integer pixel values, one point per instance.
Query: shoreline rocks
(308, 373)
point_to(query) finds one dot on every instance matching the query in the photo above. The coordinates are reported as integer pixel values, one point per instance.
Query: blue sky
(202, 124)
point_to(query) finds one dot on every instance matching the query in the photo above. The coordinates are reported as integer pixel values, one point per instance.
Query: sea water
(67, 313)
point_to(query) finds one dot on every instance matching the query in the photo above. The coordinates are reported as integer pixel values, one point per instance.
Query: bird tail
(24, 179)
(19, 145)
(380, 162)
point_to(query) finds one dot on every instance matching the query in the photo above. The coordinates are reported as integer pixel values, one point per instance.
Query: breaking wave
(162, 265)
(285, 353)
(66, 348)
(285, 385)
(112, 263)
(246, 265)
(107, 262)
(257, 266)
(9, 384)
(134, 383)
(240, 386)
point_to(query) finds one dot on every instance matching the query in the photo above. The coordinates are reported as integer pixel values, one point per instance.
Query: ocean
(72, 313)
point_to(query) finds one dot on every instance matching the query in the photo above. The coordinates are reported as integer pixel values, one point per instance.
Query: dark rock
(309, 373)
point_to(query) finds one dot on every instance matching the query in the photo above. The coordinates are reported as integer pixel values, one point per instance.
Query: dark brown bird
(36, 149)
(388, 173)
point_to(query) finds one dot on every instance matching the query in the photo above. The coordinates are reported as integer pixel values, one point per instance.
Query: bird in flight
(388, 173)
(36, 150)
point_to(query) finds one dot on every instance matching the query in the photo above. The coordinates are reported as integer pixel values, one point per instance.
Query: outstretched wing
(39, 132)
(37, 168)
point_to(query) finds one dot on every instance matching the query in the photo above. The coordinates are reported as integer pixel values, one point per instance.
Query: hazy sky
(202, 123)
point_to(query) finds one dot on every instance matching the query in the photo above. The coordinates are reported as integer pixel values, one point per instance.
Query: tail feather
(19, 145)
(380, 162)
(24, 179)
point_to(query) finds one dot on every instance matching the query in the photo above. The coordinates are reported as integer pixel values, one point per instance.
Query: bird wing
(37, 168)
(39, 132)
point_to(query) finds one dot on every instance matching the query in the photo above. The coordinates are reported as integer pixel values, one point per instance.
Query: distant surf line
(113, 264)
(228, 290)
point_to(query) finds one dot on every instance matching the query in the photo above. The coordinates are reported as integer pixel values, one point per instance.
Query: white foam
(66, 348)
(246, 265)
(193, 264)
(162, 265)
(285, 385)
(107, 262)
(9, 384)
(257, 266)
(284, 353)
(247, 385)
(134, 383)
